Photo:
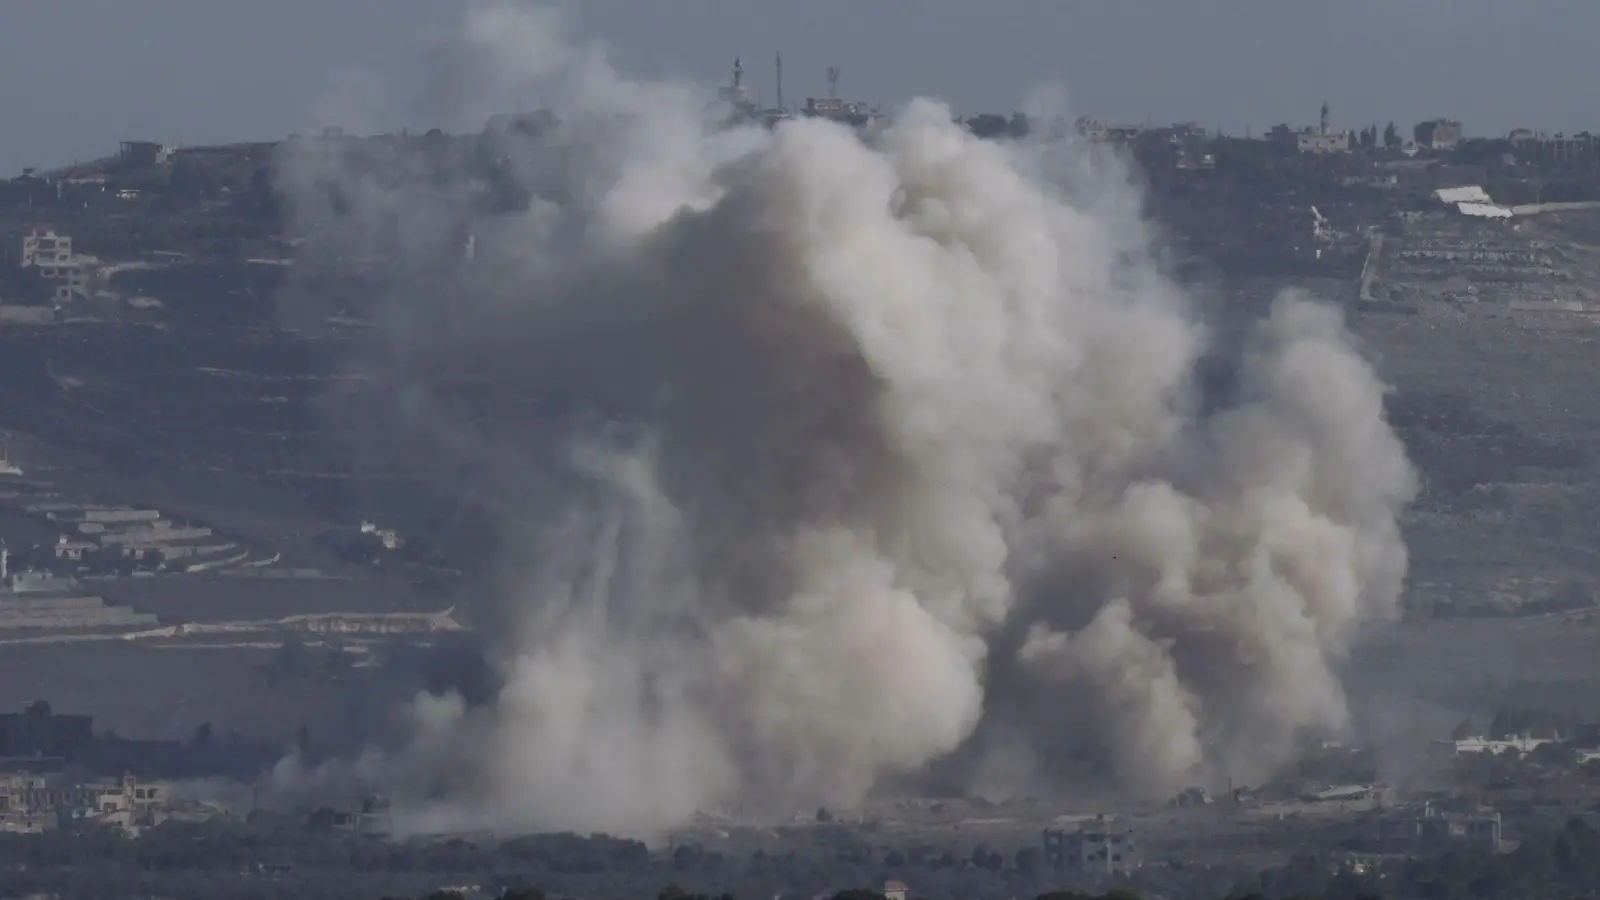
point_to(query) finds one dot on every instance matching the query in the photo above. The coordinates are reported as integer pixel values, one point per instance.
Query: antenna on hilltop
(833, 82)
(780, 81)
(738, 72)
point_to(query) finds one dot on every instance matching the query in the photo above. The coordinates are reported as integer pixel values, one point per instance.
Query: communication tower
(780, 80)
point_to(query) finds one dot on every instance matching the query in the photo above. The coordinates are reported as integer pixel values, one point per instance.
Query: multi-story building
(144, 153)
(126, 801)
(1097, 132)
(1559, 150)
(1521, 744)
(110, 514)
(1320, 139)
(1437, 134)
(50, 254)
(1309, 141)
(1427, 830)
(1524, 137)
(38, 732)
(42, 793)
(371, 816)
(836, 109)
(1101, 848)
(1568, 150)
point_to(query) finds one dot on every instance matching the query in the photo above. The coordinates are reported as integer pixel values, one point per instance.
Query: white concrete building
(51, 254)
(119, 514)
(1522, 744)
(1309, 141)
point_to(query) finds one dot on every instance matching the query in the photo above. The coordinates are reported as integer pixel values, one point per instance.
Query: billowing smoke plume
(826, 457)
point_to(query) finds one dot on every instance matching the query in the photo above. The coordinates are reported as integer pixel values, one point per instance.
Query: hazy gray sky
(76, 76)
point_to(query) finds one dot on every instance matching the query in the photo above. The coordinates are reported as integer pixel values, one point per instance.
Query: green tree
(1554, 754)
(192, 177)
(988, 125)
(338, 663)
(984, 858)
(289, 662)
(204, 739)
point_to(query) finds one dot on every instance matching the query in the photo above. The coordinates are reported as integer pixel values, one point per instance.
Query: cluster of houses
(126, 531)
(34, 803)
(1520, 744)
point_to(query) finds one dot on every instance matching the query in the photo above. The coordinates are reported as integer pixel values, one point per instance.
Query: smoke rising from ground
(824, 458)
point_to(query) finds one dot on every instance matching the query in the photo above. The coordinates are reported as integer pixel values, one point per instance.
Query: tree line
(270, 856)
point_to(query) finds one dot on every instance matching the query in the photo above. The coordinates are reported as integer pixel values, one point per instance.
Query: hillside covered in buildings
(151, 305)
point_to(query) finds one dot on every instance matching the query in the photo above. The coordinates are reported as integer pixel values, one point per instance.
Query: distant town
(102, 232)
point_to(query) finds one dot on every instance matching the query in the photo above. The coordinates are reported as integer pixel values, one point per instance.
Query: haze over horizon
(81, 75)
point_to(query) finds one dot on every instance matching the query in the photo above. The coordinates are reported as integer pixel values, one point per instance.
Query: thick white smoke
(867, 447)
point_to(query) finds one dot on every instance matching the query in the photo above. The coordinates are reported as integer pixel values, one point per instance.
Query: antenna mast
(833, 82)
(780, 82)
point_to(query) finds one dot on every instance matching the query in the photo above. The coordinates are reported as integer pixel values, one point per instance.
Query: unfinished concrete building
(1103, 848)
(1437, 134)
(37, 731)
(50, 254)
(142, 154)
(28, 801)
(1429, 830)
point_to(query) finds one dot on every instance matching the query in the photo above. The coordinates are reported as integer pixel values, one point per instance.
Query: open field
(200, 598)
(166, 690)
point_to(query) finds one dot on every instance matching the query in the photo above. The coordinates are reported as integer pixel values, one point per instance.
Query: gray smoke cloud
(826, 457)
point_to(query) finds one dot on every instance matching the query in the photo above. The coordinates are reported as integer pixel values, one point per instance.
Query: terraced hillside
(1489, 333)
